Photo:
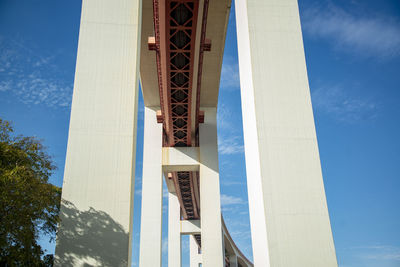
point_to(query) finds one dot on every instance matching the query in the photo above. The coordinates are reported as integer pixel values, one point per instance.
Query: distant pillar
(174, 231)
(97, 196)
(210, 205)
(288, 212)
(195, 256)
(152, 183)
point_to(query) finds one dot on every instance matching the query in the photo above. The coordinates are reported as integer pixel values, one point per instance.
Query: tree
(29, 204)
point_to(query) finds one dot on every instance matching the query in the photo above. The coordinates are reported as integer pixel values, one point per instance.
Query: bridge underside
(178, 47)
(186, 57)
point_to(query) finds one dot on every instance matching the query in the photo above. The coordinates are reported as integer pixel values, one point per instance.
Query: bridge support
(195, 256)
(174, 231)
(205, 160)
(288, 212)
(97, 196)
(210, 205)
(150, 232)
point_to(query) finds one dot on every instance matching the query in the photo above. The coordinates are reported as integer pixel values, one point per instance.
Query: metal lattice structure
(175, 24)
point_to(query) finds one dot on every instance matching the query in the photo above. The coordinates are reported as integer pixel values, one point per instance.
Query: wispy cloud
(5, 86)
(32, 78)
(185, 244)
(229, 145)
(230, 74)
(138, 192)
(230, 200)
(224, 118)
(230, 182)
(164, 246)
(377, 36)
(341, 105)
(229, 138)
(381, 252)
(377, 252)
(165, 192)
(36, 88)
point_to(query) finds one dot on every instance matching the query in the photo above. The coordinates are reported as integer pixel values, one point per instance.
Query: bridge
(180, 107)
(175, 48)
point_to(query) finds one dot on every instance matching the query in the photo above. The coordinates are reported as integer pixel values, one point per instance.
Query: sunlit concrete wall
(96, 213)
(288, 212)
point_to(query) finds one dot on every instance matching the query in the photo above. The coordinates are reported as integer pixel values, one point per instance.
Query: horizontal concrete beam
(169, 181)
(190, 227)
(180, 159)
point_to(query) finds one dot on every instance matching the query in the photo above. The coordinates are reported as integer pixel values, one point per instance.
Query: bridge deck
(182, 45)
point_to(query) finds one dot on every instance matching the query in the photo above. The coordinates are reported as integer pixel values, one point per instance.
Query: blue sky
(353, 57)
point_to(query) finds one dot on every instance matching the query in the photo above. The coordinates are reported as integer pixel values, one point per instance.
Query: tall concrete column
(195, 256)
(152, 183)
(210, 205)
(288, 212)
(97, 196)
(174, 231)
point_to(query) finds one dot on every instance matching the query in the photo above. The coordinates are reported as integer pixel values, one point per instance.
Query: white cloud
(165, 208)
(241, 234)
(224, 117)
(230, 200)
(229, 138)
(229, 182)
(37, 89)
(138, 192)
(337, 102)
(32, 79)
(185, 244)
(368, 36)
(5, 86)
(377, 252)
(165, 192)
(229, 145)
(230, 74)
(164, 246)
(43, 61)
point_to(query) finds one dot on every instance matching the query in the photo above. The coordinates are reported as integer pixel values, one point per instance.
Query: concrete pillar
(211, 230)
(97, 197)
(195, 256)
(288, 212)
(233, 261)
(174, 232)
(152, 183)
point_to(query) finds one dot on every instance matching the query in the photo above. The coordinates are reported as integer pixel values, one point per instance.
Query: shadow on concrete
(90, 238)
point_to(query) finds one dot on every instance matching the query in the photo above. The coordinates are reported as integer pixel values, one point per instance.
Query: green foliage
(29, 205)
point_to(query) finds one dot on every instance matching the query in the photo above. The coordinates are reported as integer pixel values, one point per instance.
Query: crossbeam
(190, 227)
(180, 159)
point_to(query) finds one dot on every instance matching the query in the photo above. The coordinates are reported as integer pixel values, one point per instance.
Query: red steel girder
(188, 193)
(175, 36)
(175, 23)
